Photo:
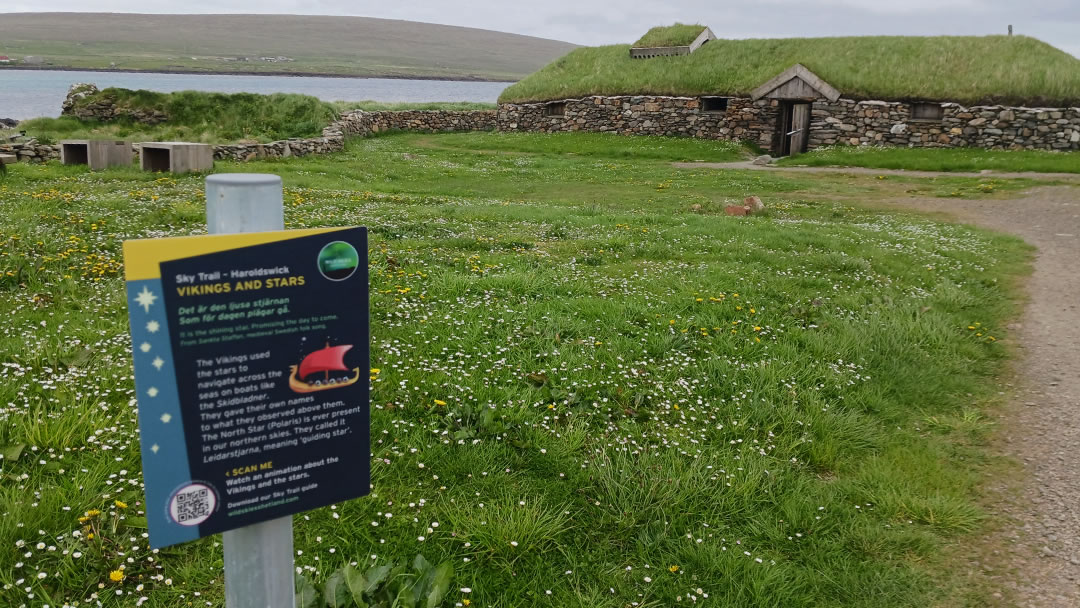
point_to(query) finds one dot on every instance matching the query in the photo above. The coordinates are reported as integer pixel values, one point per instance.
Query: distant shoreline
(52, 68)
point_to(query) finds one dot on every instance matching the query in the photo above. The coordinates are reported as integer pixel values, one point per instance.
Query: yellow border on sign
(143, 256)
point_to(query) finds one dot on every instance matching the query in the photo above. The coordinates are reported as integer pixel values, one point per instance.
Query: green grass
(964, 69)
(648, 397)
(196, 116)
(381, 106)
(679, 34)
(938, 159)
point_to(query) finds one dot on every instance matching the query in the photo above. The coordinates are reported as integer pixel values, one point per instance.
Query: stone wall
(332, 140)
(890, 124)
(845, 122)
(359, 122)
(104, 110)
(744, 119)
(31, 151)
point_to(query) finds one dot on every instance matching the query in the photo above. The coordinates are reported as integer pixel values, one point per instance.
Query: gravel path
(1038, 557)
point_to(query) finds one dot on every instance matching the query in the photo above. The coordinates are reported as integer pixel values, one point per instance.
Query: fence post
(258, 558)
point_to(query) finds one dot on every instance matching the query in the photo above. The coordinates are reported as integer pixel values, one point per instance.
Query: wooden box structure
(175, 156)
(98, 154)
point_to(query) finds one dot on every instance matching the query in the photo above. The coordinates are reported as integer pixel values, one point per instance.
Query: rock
(8, 123)
(76, 92)
(754, 204)
(696, 208)
(763, 160)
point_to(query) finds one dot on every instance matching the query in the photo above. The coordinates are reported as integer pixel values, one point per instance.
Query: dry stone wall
(359, 122)
(883, 123)
(843, 122)
(31, 151)
(743, 120)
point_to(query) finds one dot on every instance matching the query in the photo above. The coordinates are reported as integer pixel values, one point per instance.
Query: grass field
(591, 388)
(354, 46)
(938, 159)
(965, 69)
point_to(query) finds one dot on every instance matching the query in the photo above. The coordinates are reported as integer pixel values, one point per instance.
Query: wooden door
(800, 126)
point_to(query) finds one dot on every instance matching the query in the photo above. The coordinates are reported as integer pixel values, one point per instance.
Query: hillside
(966, 69)
(354, 46)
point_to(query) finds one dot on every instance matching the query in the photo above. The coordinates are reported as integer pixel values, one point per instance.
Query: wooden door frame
(785, 120)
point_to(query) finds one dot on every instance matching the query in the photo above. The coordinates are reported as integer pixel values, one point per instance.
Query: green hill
(965, 69)
(354, 46)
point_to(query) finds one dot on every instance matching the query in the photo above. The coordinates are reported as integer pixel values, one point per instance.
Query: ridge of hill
(966, 69)
(279, 44)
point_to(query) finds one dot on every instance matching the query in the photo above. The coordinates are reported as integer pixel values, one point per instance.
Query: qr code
(195, 504)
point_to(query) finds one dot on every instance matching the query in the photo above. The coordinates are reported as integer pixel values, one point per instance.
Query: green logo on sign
(338, 260)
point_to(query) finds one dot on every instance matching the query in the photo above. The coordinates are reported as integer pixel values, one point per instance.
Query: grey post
(258, 558)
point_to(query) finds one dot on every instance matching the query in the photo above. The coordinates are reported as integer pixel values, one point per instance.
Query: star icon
(145, 298)
(166, 418)
(157, 363)
(153, 326)
(154, 448)
(145, 347)
(152, 391)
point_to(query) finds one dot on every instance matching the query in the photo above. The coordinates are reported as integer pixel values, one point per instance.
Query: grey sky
(591, 23)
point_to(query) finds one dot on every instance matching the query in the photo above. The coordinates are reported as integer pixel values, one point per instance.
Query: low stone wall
(332, 140)
(31, 151)
(744, 119)
(359, 122)
(844, 121)
(890, 124)
(104, 110)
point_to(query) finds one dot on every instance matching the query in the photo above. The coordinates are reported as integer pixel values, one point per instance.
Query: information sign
(251, 372)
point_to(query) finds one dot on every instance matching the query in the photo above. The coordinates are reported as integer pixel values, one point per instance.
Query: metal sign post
(258, 558)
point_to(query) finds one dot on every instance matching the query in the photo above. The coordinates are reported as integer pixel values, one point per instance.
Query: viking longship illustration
(322, 361)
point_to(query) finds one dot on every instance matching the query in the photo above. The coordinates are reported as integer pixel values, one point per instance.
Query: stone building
(796, 110)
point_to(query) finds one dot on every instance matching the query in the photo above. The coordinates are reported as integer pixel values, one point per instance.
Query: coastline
(53, 68)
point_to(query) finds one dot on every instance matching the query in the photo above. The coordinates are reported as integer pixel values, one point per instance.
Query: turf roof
(679, 34)
(1016, 70)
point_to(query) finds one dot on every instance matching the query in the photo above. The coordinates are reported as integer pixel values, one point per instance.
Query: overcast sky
(607, 21)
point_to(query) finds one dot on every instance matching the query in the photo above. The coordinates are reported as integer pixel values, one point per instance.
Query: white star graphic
(152, 392)
(154, 448)
(145, 298)
(153, 326)
(145, 347)
(166, 418)
(158, 362)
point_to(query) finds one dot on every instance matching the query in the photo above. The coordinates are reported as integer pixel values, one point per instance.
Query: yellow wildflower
(116, 576)
(121, 504)
(674, 568)
(440, 402)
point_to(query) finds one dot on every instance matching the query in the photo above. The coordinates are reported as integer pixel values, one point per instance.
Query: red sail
(329, 359)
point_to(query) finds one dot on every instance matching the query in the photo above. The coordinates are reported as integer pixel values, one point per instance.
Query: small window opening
(714, 104)
(927, 111)
(555, 109)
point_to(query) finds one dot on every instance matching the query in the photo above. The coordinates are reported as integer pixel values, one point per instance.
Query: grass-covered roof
(966, 69)
(679, 34)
